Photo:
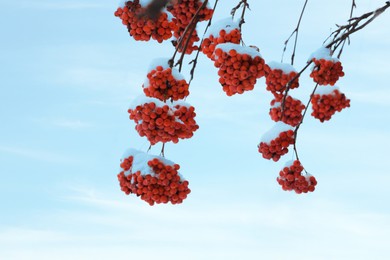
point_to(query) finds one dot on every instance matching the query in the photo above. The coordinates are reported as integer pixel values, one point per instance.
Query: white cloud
(74, 124)
(63, 5)
(377, 97)
(37, 154)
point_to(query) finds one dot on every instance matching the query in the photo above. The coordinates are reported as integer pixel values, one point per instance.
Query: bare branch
(296, 31)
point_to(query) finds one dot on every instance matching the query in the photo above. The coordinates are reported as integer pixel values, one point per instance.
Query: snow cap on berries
(226, 47)
(285, 67)
(140, 161)
(274, 132)
(227, 24)
(322, 53)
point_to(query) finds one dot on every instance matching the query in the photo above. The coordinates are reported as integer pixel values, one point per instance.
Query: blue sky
(68, 72)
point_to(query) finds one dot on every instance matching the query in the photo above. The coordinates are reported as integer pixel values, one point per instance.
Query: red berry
(239, 67)
(142, 28)
(223, 31)
(275, 142)
(326, 101)
(292, 112)
(278, 75)
(143, 178)
(161, 122)
(165, 83)
(291, 178)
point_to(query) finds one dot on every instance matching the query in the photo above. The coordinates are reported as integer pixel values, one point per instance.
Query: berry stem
(288, 85)
(245, 5)
(343, 32)
(190, 28)
(296, 32)
(350, 17)
(340, 35)
(162, 150)
(195, 60)
(300, 123)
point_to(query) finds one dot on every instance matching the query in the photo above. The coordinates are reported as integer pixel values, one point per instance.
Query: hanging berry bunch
(163, 122)
(223, 31)
(239, 67)
(142, 28)
(291, 178)
(153, 178)
(165, 83)
(278, 75)
(276, 141)
(184, 12)
(292, 112)
(327, 70)
(162, 115)
(326, 101)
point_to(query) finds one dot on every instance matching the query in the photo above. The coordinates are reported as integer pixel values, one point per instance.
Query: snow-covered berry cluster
(278, 75)
(162, 116)
(291, 178)
(239, 67)
(223, 31)
(161, 122)
(142, 28)
(152, 178)
(326, 101)
(275, 142)
(292, 112)
(165, 83)
(327, 70)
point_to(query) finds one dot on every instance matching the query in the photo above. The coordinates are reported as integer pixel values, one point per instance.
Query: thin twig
(194, 62)
(183, 53)
(347, 39)
(190, 27)
(245, 5)
(288, 85)
(296, 31)
(162, 150)
(339, 35)
(353, 26)
(300, 123)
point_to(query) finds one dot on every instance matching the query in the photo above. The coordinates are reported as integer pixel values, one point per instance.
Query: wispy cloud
(63, 5)
(326, 229)
(37, 154)
(102, 79)
(372, 97)
(74, 124)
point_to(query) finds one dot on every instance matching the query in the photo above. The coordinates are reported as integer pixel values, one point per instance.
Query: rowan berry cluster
(278, 75)
(142, 28)
(152, 178)
(183, 12)
(327, 70)
(276, 141)
(165, 84)
(163, 117)
(160, 122)
(291, 178)
(327, 101)
(239, 67)
(292, 111)
(222, 31)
